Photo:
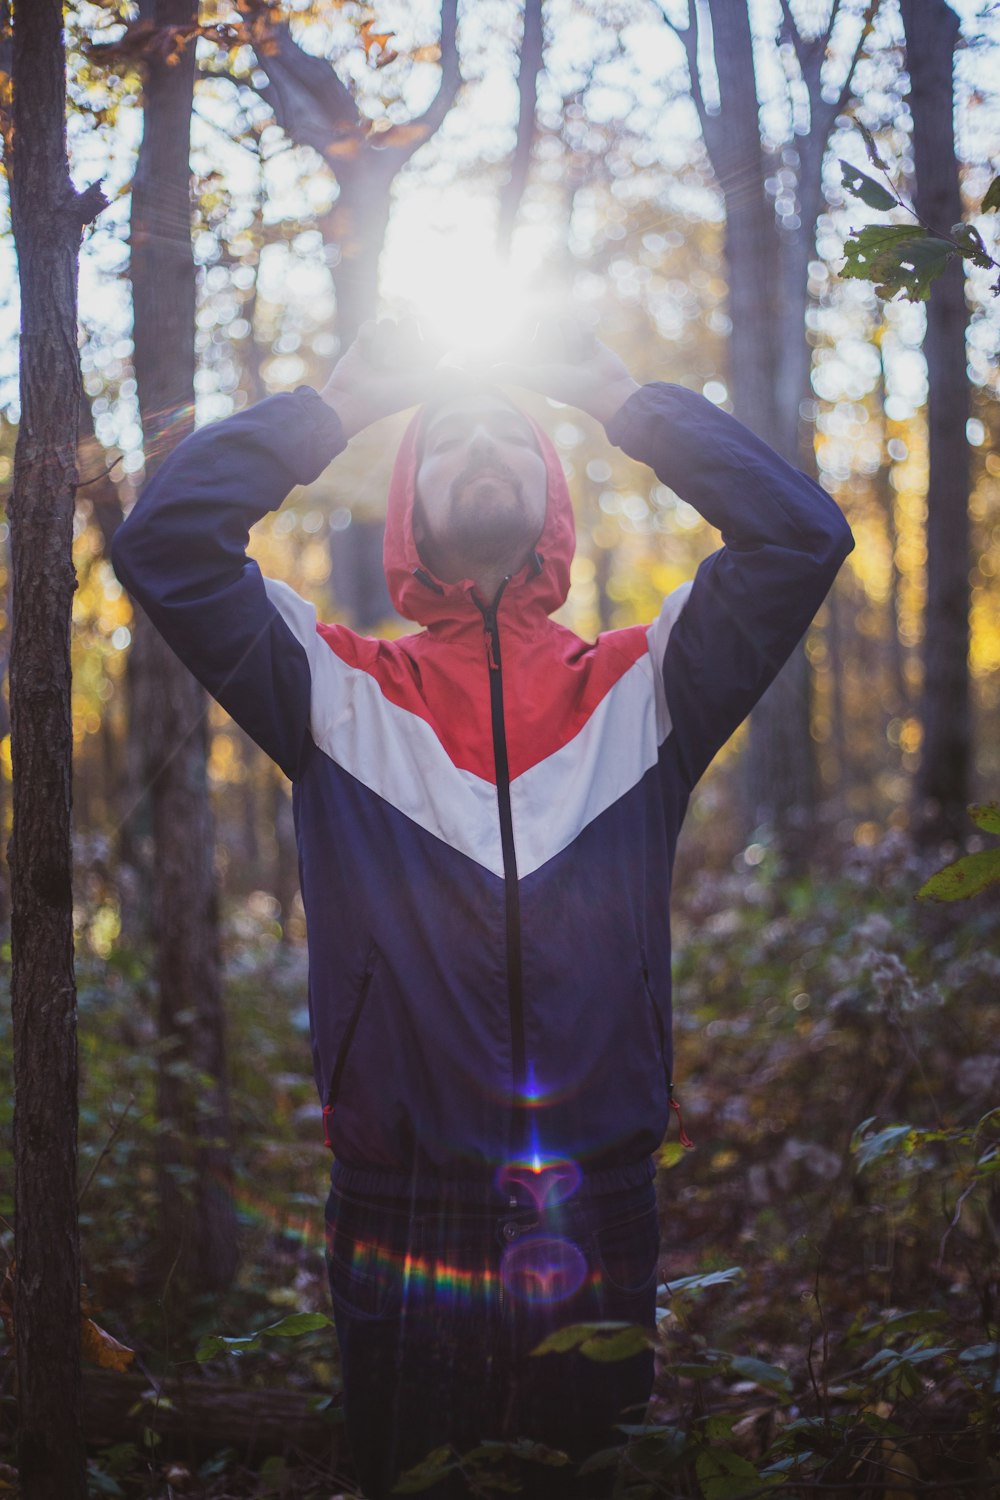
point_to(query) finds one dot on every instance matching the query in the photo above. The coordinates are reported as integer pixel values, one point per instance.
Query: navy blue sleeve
(752, 601)
(181, 553)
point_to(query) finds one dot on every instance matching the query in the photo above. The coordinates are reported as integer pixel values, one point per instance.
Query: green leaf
(970, 243)
(874, 1147)
(719, 1429)
(624, 1344)
(426, 1473)
(923, 1320)
(669, 1154)
(706, 1279)
(612, 1340)
(896, 258)
(979, 1354)
(986, 815)
(887, 1361)
(966, 877)
(860, 185)
(297, 1323)
(99, 1483)
(992, 199)
(772, 1377)
(882, 1425)
(725, 1476)
(605, 1458)
(492, 1451)
(215, 1344)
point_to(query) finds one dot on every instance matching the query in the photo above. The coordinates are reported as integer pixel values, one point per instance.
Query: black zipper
(515, 978)
(660, 1029)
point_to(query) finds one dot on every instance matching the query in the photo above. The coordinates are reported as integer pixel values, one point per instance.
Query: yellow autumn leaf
(101, 1349)
(898, 1470)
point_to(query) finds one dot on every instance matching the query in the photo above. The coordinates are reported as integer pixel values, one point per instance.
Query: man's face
(481, 487)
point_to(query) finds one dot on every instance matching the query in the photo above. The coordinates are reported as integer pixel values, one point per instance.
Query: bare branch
(88, 204)
(795, 36)
(403, 140)
(310, 101)
(532, 49)
(827, 113)
(828, 34)
(688, 37)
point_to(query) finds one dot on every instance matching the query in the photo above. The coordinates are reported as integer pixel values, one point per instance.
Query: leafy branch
(974, 872)
(906, 258)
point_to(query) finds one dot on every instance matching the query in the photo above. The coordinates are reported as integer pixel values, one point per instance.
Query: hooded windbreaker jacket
(487, 809)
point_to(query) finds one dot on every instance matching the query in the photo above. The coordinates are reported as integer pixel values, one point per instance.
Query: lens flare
(543, 1269)
(545, 1183)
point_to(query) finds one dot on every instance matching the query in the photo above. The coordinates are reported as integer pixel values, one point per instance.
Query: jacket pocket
(628, 1251)
(661, 1033)
(340, 1063)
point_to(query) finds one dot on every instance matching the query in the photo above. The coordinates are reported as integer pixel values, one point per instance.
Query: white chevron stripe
(399, 757)
(554, 801)
(393, 752)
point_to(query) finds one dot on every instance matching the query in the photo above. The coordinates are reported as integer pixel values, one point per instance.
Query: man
(487, 812)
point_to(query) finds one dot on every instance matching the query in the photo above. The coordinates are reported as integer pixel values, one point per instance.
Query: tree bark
(48, 216)
(197, 1229)
(942, 786)
(779, 768)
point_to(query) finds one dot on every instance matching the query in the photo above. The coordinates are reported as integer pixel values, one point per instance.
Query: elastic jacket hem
(471, 1192)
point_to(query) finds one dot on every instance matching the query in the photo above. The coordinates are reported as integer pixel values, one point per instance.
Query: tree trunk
(529, 67)
(356, 226)
(48, 216)
(765, 301)
(932, 31)
(4, 731)
(769, 356)
(197, 1230)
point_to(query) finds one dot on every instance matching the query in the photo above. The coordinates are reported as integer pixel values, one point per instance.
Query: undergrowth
(830, 1248)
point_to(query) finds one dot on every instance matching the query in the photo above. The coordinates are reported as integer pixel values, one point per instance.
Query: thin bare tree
(48, 217)
(168, 708)
(530, 60)
(768, 253)
(942, 784)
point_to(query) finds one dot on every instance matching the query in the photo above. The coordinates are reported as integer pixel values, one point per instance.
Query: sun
(441, 266)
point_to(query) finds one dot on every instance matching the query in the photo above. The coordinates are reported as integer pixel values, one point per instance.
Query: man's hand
(388, 368)
(565, 361)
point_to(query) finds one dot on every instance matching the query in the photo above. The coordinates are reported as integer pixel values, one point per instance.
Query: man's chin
(486, 489)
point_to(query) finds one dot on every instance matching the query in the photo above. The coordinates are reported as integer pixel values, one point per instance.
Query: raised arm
(752, 600)
(784, 537)
(182, 551)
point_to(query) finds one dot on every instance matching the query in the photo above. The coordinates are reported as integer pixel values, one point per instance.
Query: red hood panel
(545, 590)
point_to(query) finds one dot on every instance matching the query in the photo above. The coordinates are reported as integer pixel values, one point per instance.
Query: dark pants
(438, 1308)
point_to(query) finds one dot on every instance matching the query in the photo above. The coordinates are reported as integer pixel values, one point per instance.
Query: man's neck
(488, 585)
(487, 580)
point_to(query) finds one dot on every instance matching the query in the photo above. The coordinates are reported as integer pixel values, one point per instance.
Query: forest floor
(830, 1250)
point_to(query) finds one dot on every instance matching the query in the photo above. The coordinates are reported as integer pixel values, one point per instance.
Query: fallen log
(196, 1417)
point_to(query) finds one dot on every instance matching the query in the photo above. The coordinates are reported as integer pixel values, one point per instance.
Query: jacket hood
(414, 591)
